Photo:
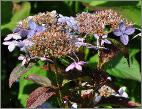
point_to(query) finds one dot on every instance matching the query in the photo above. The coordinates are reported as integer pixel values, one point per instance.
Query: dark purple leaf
(17, 72)
(39, 96)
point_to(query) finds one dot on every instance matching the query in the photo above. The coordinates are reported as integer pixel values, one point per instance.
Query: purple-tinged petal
(70, 67)
(40, 29)
(78, 67)
(32, 24)
(28, 43)
(129, 30)
(23, 32)
(105, 41)
(98, 98)
(117, 32)
(124, 39)
(11, 47)
(16, 30)
(122, 26)
(31, 33)
(125, 95)
(81, 63)
(102, 42)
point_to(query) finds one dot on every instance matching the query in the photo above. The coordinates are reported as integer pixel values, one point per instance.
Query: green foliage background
(121, 74)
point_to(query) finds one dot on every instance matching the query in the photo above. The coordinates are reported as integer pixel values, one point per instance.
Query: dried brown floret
(40, 18)
(52, 43)
(96, 22)
(106, 91)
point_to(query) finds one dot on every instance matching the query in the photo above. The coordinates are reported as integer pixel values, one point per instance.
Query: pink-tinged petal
(16, 36)
(21, 58)
(124, 39)
(7, 43)
(122, 26)
(96, 36)
(11, 47)
(104, 36)
(9, 36)
(24, 62)
(81, 63)
(43, 59)
(129, 30)
(78, 67)
(70, 67)
(117, 32)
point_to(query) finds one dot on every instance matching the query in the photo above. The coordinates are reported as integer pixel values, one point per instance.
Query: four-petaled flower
(80, 42)
(123, 32)
(76, 65)
(24, 59)
(103, 40)
(122, 92)
(34, 28)
(11, 45)
(70, 21)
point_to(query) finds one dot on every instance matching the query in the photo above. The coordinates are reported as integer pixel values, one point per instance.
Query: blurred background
(12, 12)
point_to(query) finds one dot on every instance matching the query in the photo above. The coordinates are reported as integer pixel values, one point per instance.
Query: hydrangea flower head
(123, 32)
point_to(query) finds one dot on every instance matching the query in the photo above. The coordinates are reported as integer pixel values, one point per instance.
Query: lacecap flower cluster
(50, 35)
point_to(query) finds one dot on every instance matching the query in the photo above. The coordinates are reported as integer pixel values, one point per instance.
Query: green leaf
(118, 67)
(6, 7)
(94, 59)
(19, 15)
(134, 14)
(41, 80)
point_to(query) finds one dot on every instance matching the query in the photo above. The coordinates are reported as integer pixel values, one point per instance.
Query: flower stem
(58, 84)
(99, 46)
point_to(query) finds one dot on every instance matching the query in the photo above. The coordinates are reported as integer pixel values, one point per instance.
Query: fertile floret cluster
(97, 21)
(52, 43)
